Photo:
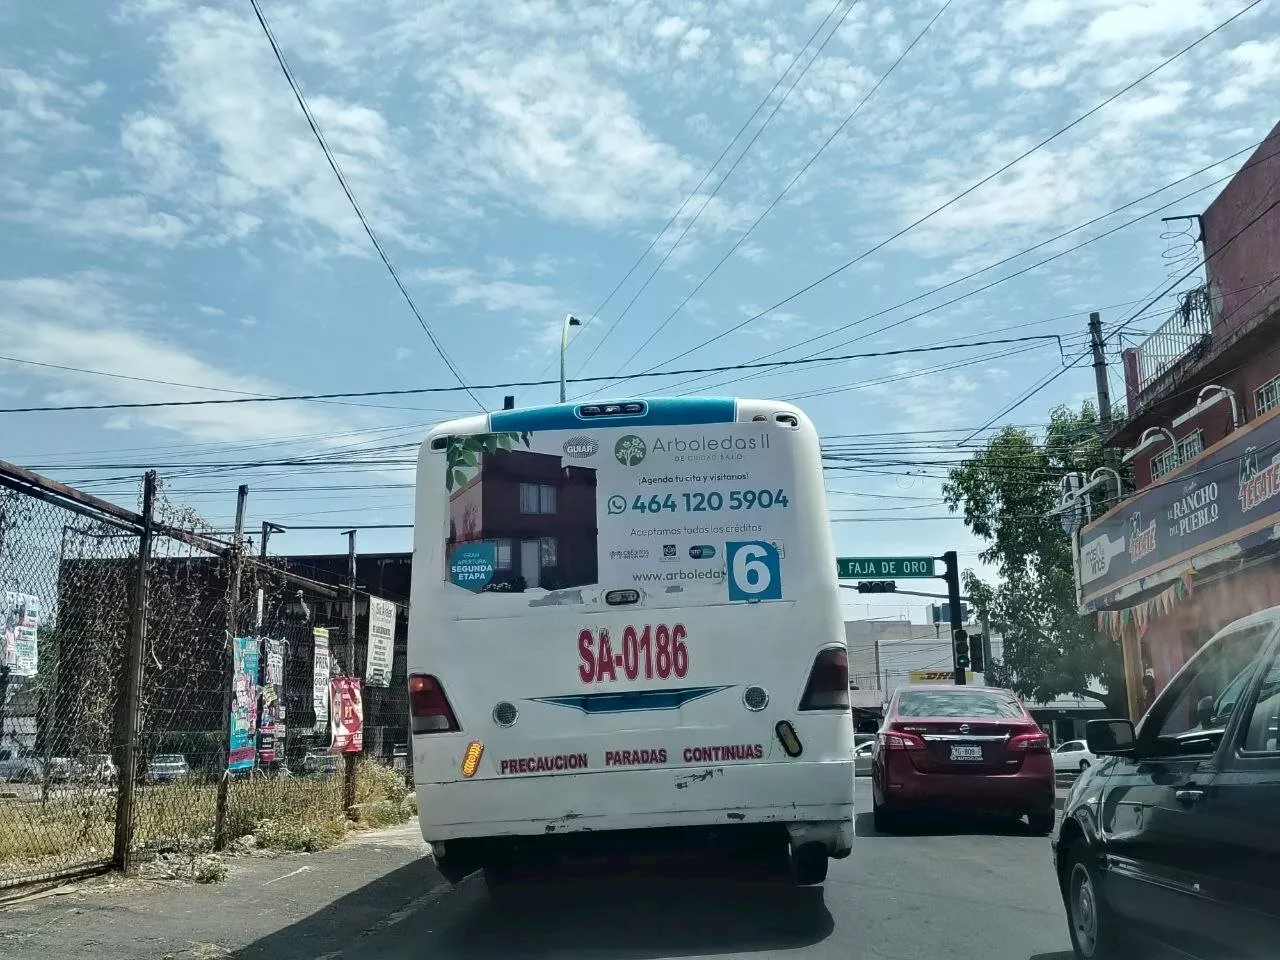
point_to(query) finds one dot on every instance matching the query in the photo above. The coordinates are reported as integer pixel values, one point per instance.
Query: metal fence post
(349, 767)
(233, 627)
(126, 732)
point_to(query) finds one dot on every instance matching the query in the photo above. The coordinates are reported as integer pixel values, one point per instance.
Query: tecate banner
(1229, 495)
(706, 510)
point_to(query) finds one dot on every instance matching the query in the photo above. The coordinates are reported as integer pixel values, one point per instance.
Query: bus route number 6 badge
(754, 571)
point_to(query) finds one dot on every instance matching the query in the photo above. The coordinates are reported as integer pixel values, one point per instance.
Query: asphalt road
(959, 889)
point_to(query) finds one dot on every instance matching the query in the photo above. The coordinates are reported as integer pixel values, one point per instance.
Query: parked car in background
(1073, 757)
(961, 749)
(862, 759)
(166, 768)
(318, 762)
(60, 769)
(20, 770)
(97, 768)
(1174, 833)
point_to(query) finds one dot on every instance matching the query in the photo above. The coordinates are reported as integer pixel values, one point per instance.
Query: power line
(694, 192)
(503, 386)
(201, 386)
(991, 176)
(355, 205)
(991, 266)
(794, 180)
(756, 136)
(1171, 286)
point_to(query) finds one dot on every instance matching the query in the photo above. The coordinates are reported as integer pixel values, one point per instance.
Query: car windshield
(170, 758)
(959, 703)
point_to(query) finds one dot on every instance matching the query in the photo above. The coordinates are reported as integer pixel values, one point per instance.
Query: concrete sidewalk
(273, 908)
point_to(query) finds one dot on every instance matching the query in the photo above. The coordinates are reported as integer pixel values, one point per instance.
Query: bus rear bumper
(812, 801)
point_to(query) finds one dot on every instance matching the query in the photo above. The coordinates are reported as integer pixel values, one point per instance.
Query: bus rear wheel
(809, 864)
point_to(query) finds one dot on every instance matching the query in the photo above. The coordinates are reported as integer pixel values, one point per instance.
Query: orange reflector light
(787, 737)
(471, 762)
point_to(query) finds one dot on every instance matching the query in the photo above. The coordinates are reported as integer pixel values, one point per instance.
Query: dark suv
(1175, 832)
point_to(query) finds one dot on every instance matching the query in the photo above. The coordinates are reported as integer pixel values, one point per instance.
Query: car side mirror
(1204, 712)
(1110, 738)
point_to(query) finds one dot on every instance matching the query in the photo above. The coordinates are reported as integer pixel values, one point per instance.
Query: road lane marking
(287, 876)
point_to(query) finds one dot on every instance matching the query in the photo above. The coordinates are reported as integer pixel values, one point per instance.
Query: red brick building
(1195, 546)
(540, 515)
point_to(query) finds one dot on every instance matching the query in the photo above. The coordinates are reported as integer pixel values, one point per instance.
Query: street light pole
(569, 321)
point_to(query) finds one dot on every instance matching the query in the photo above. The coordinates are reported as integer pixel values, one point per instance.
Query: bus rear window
(958, 703)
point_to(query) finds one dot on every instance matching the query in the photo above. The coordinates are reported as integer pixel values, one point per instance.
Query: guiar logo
(629, 450)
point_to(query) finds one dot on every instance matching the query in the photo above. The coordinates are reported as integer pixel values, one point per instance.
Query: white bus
(625, 625)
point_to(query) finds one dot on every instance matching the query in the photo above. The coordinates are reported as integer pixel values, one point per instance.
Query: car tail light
(1029, 743)
(828, 687)
(429, 707)
(897, 740)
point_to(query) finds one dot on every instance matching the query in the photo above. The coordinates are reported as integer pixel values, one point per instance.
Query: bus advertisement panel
(705, 508)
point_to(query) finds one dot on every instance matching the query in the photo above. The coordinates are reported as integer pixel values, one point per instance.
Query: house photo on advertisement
(524, 519)
(1197, 544)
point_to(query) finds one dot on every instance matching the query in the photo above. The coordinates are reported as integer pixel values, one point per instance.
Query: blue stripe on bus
(631, 702)
(659, 412)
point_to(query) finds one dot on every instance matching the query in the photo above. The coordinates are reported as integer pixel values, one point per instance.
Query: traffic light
(975, 653)
(960, 643)
(877, 586)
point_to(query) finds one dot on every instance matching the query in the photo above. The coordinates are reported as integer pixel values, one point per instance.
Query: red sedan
(964, 749)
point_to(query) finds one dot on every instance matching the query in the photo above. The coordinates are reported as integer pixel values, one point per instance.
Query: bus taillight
(429, 707)
(828, 687)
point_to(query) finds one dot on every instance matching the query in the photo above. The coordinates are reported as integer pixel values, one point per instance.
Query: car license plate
(964, 751)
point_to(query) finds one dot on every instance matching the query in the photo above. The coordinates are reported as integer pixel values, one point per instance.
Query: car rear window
(956, 703)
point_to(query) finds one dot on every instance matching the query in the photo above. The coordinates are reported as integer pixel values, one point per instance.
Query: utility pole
(569, 321)
(1100, 380)
(1129, 645)
(233, 629)
(126, 732)
(986, 641)
(349, 767)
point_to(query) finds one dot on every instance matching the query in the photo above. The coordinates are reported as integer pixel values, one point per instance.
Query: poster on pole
(382, 633)
(320, 680)
(20, 622)
(347, 715)
(242, 750)
(271, 712)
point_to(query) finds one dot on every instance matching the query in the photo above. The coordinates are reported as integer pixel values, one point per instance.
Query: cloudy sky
(166, 214)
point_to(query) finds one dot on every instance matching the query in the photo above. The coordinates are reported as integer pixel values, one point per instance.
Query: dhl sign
(937, 676)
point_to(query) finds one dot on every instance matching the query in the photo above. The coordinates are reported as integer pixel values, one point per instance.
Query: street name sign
(883, 568)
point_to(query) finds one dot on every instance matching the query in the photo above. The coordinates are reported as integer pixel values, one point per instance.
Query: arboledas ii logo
(629, 450)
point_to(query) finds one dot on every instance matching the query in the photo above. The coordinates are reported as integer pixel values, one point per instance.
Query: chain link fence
(122, 699)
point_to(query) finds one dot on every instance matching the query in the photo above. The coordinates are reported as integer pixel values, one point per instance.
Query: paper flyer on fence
(20, 622)
(242, 750)
(382, 631)
(320, 680)
(271, 713)
(347, 715)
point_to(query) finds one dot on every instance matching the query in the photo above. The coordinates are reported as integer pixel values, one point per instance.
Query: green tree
(462, 456)
(1006, 491)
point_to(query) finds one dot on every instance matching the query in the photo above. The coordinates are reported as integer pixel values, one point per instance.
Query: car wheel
(1042, 823)
(809, 864)
(1089, 919)
(1084, 765)
(884, 820)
